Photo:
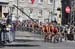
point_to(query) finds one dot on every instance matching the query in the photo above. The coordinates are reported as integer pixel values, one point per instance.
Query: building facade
(58, 11)
(42, 10)
(72, 12)
(3, 8)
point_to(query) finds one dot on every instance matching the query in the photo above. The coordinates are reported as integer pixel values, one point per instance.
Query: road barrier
(26, 26)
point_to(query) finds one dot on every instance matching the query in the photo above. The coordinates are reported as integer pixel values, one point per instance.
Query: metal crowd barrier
(24, 27)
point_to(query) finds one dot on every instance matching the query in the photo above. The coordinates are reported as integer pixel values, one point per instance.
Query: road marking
(70, 41)
(29, 38)
(61, 47)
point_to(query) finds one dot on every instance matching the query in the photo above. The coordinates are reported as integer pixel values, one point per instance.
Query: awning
(3, 3)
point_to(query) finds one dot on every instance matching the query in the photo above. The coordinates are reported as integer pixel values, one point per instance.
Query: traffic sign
(68, 10)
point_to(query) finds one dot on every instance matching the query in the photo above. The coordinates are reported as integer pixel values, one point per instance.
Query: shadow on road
(22, 45)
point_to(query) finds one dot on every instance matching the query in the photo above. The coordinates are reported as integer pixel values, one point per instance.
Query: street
(37, 24)
(28, 41)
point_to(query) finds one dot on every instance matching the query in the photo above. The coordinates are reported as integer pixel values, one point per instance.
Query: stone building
(3, 8)
(58, 11)
(42, 10)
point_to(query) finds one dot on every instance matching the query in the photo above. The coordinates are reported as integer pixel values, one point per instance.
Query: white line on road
(62, 47)
(29, 38)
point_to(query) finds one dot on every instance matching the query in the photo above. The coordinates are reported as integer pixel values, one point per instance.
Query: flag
(33, 1)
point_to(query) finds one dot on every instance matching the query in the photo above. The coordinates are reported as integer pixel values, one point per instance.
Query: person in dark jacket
(2, 35)
(0, 31)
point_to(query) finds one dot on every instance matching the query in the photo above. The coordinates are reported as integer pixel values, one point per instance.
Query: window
(40, 1)
(22, 9)
(50, 1)
(59, 15)
(40, 12)
(31, 10)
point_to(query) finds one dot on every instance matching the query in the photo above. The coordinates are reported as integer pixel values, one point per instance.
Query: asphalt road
(40, 45)
(30, 42)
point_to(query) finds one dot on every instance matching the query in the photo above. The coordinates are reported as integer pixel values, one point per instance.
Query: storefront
(3, 9)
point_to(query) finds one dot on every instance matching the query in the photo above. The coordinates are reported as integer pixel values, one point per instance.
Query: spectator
(1, 33)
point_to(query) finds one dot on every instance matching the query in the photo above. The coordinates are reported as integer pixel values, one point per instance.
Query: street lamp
(17, 9)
